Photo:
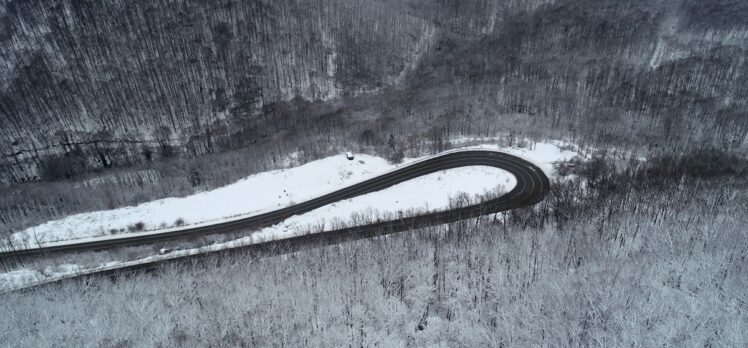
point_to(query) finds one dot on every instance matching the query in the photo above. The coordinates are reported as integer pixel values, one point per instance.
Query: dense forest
(131, 101)
(86, 86)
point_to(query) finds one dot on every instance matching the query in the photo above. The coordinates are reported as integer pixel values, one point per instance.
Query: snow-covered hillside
(275, 189)
(270, 190)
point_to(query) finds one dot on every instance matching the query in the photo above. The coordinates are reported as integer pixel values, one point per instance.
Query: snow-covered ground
(428, 192)
(270, 190)
(275, 189)
(264, 191)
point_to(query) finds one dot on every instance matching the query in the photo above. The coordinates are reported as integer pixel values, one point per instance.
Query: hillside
(88, 86)
(374, 173)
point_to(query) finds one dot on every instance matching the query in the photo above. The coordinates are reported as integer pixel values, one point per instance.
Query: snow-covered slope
(265, 191)
(275, 189)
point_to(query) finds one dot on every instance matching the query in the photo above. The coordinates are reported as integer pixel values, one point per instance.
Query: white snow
(279, 188)
(428, 192)
(270, 190)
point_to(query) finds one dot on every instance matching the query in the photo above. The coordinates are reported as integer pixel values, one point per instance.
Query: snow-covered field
(264, 191)
(274, 189)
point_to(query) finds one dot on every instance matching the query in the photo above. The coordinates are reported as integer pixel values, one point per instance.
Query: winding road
(532, 186)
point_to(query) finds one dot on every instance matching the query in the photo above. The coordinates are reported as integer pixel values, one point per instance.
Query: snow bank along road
(532, 186)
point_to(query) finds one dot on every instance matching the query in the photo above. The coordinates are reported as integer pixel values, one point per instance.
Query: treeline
(622, 185)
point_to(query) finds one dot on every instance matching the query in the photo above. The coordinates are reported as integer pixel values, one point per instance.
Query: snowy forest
(134, 92)
(93, 85)
(133, 101)
(107, 104)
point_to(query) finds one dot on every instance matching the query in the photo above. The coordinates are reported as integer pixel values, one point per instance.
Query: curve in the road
(532, 186)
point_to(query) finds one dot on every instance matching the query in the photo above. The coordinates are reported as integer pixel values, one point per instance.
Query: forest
(141, 100)
(116, 103)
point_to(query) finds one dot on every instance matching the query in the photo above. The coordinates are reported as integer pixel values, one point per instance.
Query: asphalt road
(532, 186)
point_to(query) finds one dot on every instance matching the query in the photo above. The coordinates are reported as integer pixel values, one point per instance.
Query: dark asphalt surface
(532, 186)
